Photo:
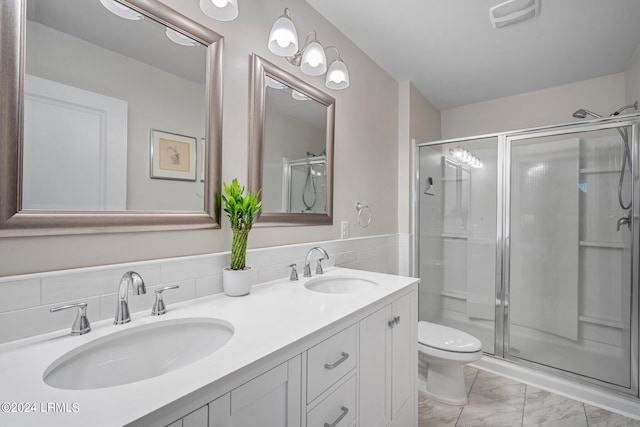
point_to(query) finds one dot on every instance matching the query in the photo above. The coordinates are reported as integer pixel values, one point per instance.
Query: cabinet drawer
(338, 409)
(329, 361)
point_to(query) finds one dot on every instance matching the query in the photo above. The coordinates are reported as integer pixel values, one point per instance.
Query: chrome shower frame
(501, 327)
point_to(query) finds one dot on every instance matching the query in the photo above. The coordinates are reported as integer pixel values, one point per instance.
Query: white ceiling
(144, 40)
(453, 55)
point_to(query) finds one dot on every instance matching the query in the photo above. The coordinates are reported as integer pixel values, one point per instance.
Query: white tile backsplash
(38, 320)
(19, 294)
(25, 300)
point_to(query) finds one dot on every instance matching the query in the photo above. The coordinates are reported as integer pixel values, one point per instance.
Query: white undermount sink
(340, 284)
(138, 353)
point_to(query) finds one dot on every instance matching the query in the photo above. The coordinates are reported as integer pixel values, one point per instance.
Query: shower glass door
(569, 270)
(457, 236)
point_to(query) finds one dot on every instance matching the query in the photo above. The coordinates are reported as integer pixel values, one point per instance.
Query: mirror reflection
(291, 147)
(114, 110)
(295, 161)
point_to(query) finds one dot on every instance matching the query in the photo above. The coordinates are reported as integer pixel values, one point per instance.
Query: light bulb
(220, 3)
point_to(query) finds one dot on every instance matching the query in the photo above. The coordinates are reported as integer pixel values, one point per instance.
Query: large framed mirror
(111, 118)
(290, 148)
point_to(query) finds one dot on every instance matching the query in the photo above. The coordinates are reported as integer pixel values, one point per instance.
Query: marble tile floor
(496, 401)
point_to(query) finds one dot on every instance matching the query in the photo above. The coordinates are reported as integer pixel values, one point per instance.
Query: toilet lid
(448, 339)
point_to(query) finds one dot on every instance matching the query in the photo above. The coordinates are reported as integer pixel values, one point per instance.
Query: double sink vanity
(331, 350)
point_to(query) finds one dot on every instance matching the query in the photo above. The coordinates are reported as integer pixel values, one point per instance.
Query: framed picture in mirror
(173, 156)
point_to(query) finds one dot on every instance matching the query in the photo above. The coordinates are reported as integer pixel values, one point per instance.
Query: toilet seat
(447, 339)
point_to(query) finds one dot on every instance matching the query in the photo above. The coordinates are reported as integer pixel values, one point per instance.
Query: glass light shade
(273, 83)
(314, 60)
(121, 10)
(221, 10)
(179, 38)
(283, 39)
(299, 96)
(338, 75)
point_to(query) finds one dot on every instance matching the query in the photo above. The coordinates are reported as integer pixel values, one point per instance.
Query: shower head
(634, 106)
(582, 114)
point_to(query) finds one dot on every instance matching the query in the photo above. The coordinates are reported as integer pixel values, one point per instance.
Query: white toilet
(442, 353)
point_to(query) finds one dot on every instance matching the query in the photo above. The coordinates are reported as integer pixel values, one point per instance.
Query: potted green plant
(241, 207)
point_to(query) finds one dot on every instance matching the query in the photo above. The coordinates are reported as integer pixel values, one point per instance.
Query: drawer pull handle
(392, 323)
(344, 357)
(345, 411)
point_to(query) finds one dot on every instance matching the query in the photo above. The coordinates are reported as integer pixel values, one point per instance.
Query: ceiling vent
(513, 11)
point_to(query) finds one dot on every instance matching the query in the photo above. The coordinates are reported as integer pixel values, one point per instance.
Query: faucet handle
(158, 305)
(294, 273)
(81, 325)
(319, 266)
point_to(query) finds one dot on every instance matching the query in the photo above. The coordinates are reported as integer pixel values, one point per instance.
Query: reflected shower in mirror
(118, 104)
(291, 147)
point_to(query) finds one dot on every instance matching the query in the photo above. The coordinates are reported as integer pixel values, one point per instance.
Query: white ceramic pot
(236, 283)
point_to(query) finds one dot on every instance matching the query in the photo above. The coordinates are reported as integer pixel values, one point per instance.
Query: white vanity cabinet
(388, 365)
(363, 374)
(331, 380)
(272, 399)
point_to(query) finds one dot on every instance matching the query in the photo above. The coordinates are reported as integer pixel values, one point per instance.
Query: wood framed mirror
(111, 118)
(291, 148)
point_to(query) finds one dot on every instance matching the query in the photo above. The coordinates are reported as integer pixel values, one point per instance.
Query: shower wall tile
(25, 300)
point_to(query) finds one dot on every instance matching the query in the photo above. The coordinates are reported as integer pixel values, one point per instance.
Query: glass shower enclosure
(528, 241)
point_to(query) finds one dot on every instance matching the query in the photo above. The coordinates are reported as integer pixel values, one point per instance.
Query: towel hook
(429, 186)
(360, 208)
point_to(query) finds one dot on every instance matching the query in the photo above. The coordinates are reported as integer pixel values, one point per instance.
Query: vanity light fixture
(221, 10)
(273, 83)
(338, 74)
(463, 156)
(311, 58)
(299, 96)
(121, 10)
(283, 39)
(313, 61)
(180, 38)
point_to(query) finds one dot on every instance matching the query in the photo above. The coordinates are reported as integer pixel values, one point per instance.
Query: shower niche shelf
(456, 236)
(594, 244)
(598, 170)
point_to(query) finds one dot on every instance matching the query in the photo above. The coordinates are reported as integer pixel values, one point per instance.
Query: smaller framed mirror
(291, 148)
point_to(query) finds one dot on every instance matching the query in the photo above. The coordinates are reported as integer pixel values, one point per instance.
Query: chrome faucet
(624, 220)
(81, 325)
(307, 261)
(294, 273)
(133, 279)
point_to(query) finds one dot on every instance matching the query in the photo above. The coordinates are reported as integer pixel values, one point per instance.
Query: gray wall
(366, 165)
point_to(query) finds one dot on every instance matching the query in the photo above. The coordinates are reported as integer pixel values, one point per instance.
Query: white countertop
(275, 315)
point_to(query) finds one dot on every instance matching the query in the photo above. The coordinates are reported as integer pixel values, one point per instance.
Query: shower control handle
(624, 220)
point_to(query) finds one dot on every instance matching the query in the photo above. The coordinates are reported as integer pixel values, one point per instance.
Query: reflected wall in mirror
(291, 147)
(90, 89)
